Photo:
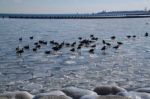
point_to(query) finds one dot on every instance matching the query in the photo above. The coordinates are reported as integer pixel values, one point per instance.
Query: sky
(70, 6)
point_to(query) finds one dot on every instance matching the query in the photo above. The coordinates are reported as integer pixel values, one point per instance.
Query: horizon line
(73, 13)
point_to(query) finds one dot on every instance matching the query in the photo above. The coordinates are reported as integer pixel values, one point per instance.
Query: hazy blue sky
(70, 6)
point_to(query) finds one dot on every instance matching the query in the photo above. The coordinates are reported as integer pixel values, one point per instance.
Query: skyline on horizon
(70, 6)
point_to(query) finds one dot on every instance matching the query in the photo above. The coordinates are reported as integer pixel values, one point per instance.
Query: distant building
(123, 13)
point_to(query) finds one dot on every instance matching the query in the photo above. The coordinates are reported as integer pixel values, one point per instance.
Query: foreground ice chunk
(89, 97)
(76, 93)
(52, 95)
(16, 95)
(135, 95)
(108, 90)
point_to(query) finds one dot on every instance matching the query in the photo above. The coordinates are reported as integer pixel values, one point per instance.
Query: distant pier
(102, 15)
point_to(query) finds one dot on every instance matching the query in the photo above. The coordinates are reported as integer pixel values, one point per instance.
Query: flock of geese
(73, 47)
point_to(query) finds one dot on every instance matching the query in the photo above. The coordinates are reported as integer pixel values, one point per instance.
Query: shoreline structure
(101, 15)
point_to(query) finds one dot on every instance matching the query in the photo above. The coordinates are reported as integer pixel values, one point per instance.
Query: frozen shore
(100, 92)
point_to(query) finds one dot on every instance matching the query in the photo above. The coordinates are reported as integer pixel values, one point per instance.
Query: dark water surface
(128, 67)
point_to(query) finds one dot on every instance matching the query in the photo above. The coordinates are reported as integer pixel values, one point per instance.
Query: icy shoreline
(78, 93)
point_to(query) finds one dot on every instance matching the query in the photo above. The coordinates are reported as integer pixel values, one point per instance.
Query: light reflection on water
(127, 67)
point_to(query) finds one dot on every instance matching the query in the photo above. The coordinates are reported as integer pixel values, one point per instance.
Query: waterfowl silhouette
(34, 49)
(103, 48)
(81, 44)
(79, 47)
(80, 38)
(134, 36)
(31, 38)
(94, 38)
(116, 47)
(91, 51)
(26, 47)
(108, 44)
(36, 43)
(128, 36)
(20, 39)
(67, 44)
(113, 37)
(103, 41)
(146, 34)
(91, 35)
(119, 43)
(20, 51)
(72, 50)
(47, 52)
(52, 42)
(38, 46)
(44, 42)
(41, 41)
(56, 48)
(73, 44)
(93, 46)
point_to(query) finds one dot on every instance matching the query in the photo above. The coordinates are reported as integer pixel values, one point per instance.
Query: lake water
(127, 67)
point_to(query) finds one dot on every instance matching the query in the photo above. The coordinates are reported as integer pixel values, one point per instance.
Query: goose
(113, 37)
(47, 52)
(146, 34)
(20, 39)
(31, 38)
(26, 47)
(72, 50)
(91, 51)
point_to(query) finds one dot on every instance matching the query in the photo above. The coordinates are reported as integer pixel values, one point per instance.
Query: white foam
(70, 62)
(93, 56)
(72, 57)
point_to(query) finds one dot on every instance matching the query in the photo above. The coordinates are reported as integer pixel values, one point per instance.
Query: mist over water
(128, 67)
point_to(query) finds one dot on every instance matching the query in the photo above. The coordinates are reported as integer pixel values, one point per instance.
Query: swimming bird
(26, 47)
(91, 35)
(72, 50)
(80, 38)
(134, 36)
(108, 44)
(128, 36)
(44, 42)
(79, 47)
(41, 41)
(113, 37)
(116, 47)
(56, 48)
(119, 43)
(94, 38)
(67, 44)
(20, 51)
(91, 51)
(31, 38)
(103, 41)
(47, 52)
(20, 39)
(34, 49)
(38, 46)
(146, 34)
(36, 43)
(103, 48)
(52, 42)
(93, 46)
(73, 44)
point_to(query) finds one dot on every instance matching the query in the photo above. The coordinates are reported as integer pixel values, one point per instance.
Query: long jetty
(102, 15)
